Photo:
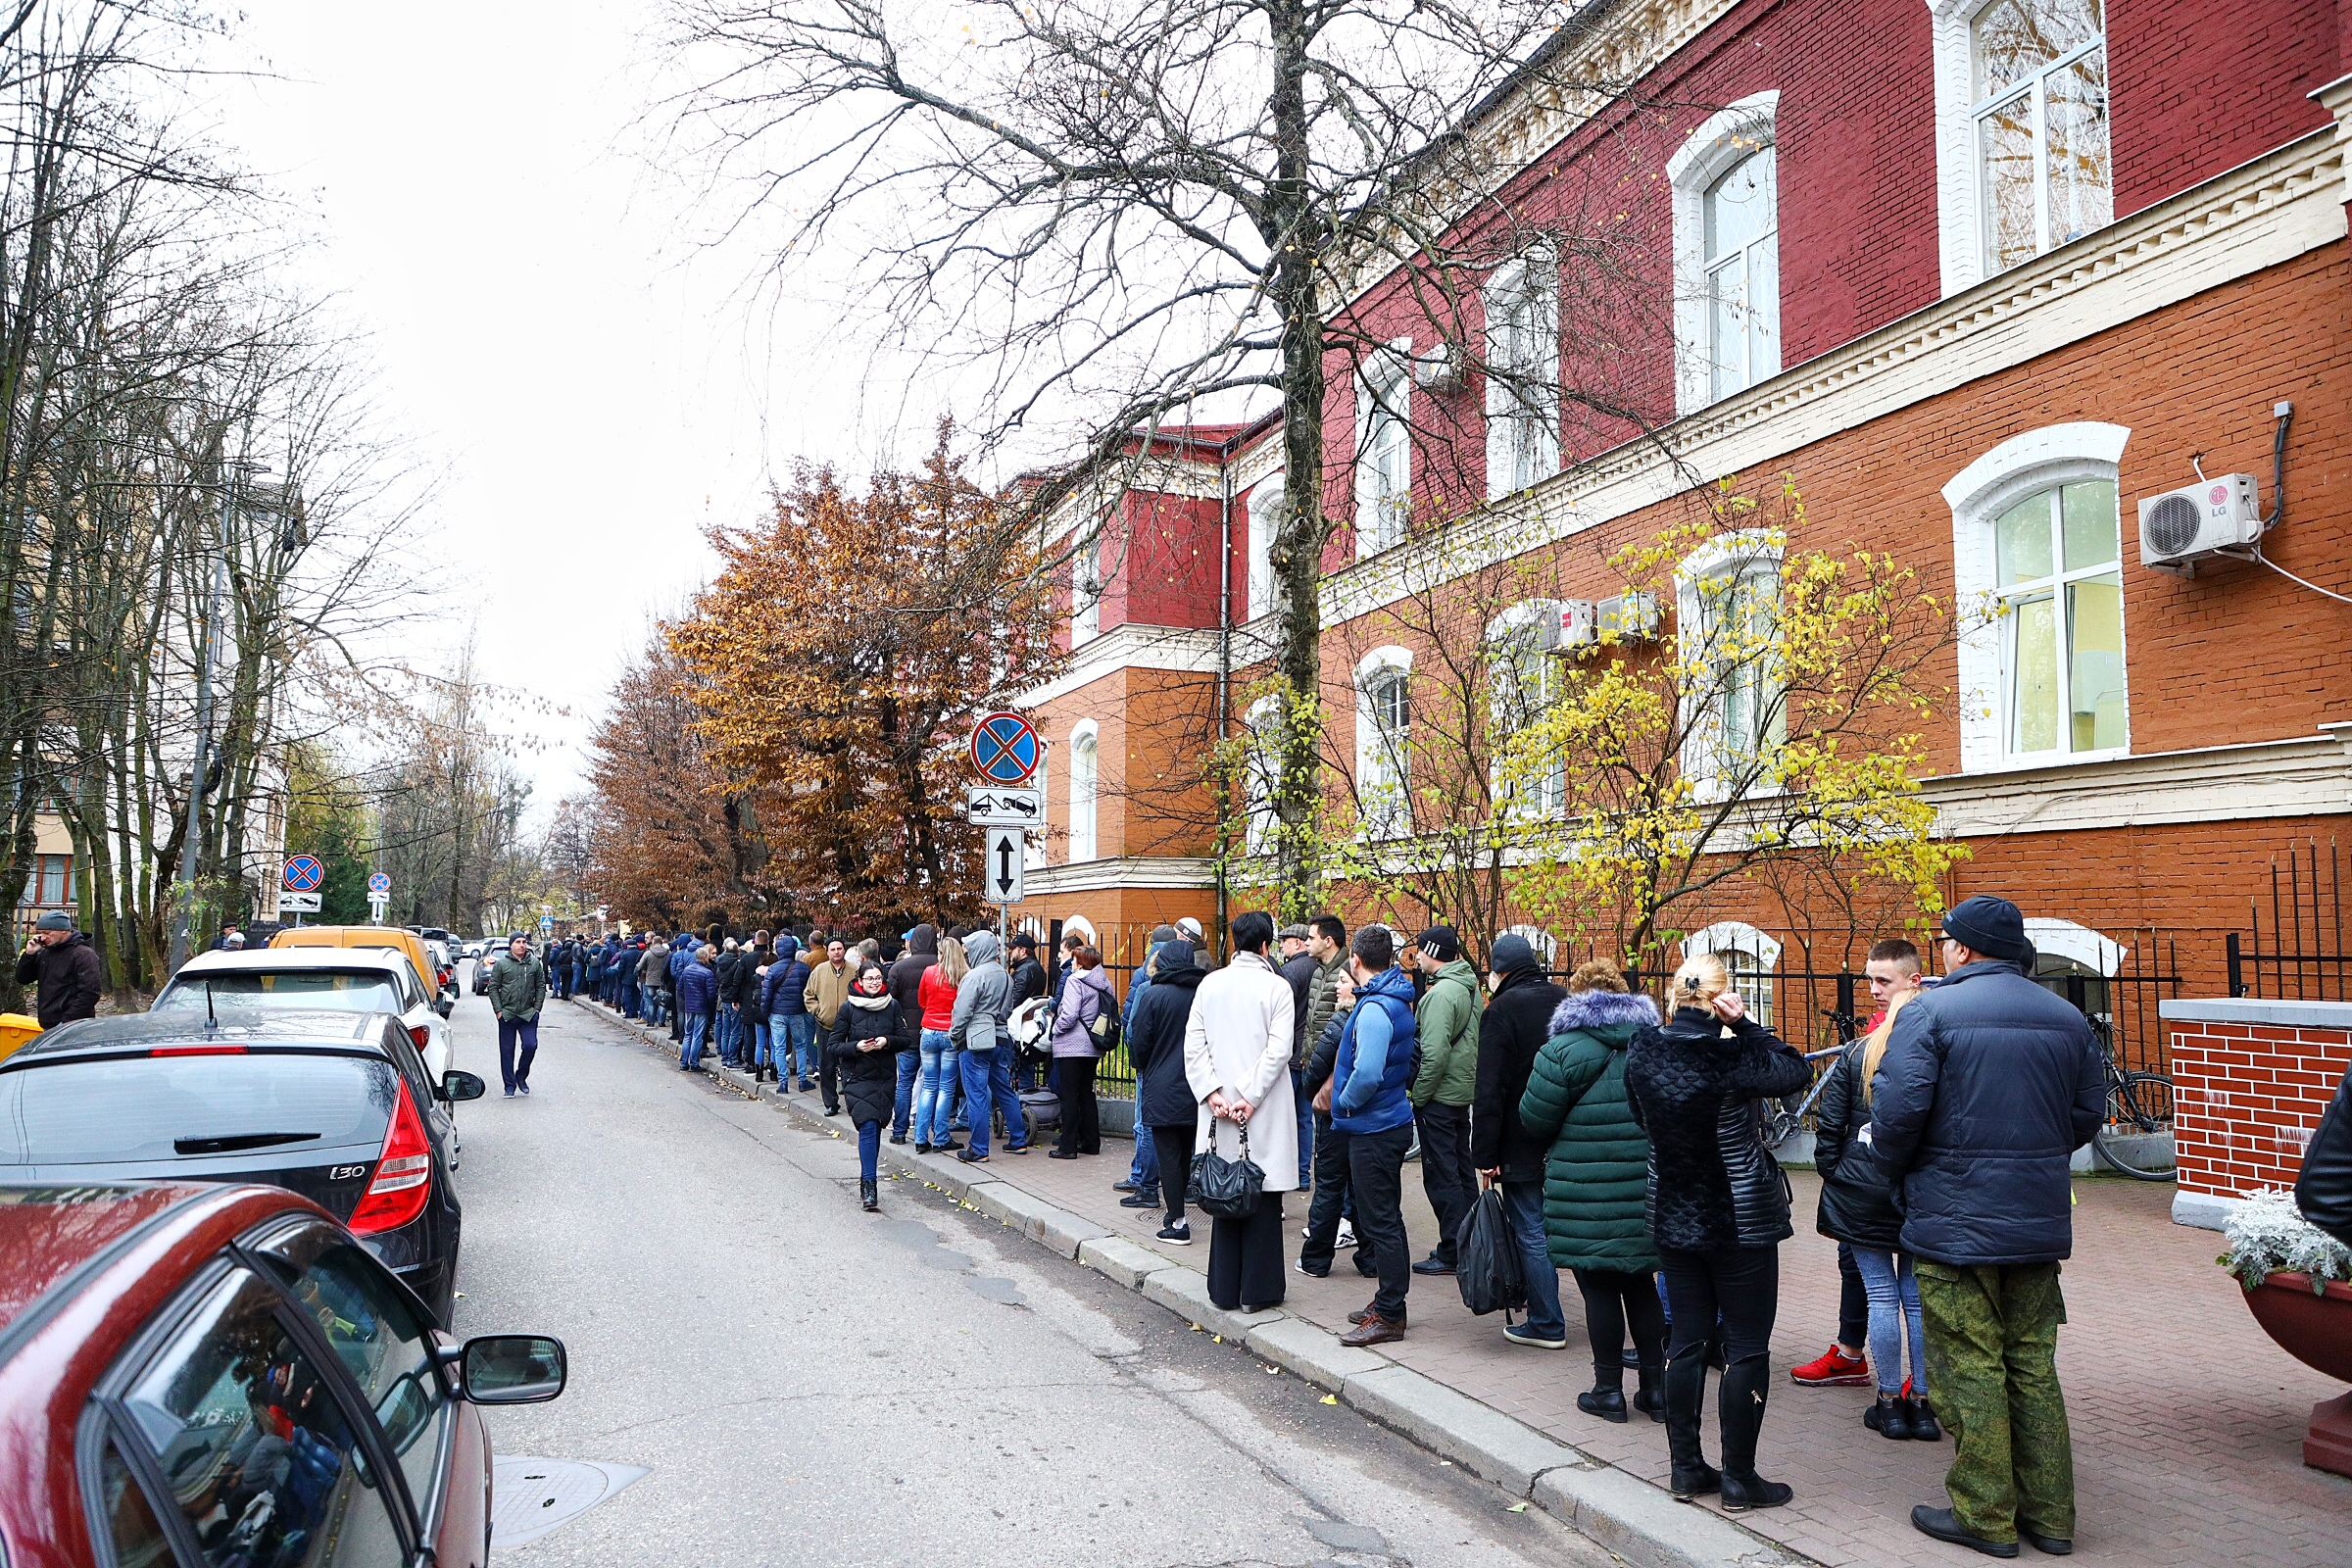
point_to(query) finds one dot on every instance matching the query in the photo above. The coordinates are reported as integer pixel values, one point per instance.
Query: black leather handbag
(1227, 1189)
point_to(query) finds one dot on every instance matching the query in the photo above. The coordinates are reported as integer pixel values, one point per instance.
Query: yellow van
(367, 936)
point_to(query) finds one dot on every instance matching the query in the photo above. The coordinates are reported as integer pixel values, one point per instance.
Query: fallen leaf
(1516, 1507)
(1331, 1399)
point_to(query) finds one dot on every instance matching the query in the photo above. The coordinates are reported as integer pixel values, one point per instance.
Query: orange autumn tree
(841, 656)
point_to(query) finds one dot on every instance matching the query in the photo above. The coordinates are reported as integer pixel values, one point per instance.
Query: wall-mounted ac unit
(1439, 367)
(1569, 630)
(2209, 517)
(1631, 617)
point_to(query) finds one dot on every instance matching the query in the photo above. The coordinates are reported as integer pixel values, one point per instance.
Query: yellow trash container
(16, 1028)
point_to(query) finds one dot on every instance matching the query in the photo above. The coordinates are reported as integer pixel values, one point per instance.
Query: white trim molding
(2064, 939)
(1144, 872)
(2307, 776)
(1185, 650)
(1722, 141)
(1734, 936)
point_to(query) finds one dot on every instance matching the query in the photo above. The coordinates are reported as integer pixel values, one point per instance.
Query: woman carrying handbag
(1237, 1058)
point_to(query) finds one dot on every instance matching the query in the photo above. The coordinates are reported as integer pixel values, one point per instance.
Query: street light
(204, 714)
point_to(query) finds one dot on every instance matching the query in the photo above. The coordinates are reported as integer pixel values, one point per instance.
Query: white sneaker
(1346, 1235)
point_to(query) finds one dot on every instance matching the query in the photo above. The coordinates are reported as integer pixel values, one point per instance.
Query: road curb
(1624, 1513)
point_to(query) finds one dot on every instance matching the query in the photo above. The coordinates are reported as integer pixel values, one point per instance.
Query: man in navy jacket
(1990, 1084)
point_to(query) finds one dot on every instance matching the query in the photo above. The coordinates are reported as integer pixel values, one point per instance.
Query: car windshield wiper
(234, 1142)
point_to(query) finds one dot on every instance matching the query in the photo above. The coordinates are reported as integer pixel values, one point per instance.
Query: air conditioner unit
(2213, 517)
(1439, 367)
(1569, 630)
(1631, 617)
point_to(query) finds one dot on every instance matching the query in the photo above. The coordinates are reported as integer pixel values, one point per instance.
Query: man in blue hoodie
(1367, 1101)
(786, 1009)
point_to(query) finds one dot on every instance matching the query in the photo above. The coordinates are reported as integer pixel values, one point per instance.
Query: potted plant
(2296, 1277)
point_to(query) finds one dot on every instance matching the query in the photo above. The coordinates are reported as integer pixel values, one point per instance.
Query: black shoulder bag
(1227, 1189)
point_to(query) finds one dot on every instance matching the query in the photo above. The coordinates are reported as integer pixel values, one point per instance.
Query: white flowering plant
(2268, 1234)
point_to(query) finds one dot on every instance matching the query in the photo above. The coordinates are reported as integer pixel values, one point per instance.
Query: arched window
(1384, 473)
(1265, 517)
(1383, 721)
(1748, 953)
(1085, 761)
(2036, 558)
(1727, 307)
(1522, 301)
(1728, 601)
(1523, 681)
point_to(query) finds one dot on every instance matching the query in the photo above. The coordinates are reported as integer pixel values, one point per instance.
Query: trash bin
(16, 1028)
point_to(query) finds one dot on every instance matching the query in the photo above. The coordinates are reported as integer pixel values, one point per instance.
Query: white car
(336, 979)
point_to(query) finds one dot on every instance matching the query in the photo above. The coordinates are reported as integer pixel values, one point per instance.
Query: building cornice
(1135, 872)
(2306, 777)
(1183, 648)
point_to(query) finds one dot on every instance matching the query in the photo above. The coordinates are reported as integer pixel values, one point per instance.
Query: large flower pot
(2317, 1331)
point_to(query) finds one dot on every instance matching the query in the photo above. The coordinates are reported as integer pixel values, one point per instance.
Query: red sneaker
(1833, 1369)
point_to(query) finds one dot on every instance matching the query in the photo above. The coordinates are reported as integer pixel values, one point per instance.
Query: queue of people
(1624, 1140)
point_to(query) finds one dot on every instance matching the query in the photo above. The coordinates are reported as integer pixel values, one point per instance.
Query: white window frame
(1378, 765)
(2035, 459)
(1257, 778)
(1086, 792)
(1086, 589)
(1724, 141)
(1523, 439)
(1736, 940)
(1738, 553)
(1959, 186)
(1264, 517)
(1520, 620)
(1384, 412)
(1033, 845)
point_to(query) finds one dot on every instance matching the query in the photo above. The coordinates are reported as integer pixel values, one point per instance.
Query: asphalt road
(806, 1383)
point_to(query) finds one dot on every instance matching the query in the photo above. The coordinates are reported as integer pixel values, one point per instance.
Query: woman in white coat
(1237, 1056)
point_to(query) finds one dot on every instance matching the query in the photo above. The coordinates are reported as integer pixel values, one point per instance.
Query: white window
(2021, 135)
(1748, 953)
(1259, 774)
(1085, 761)
(1384, 723)
(1265, 517)
(1522, 683)
(1523, 375)
(1033, 846)
(1727, 267)
(1735, 715)
(2037, 565)
(1384, 481)
(1086, 589)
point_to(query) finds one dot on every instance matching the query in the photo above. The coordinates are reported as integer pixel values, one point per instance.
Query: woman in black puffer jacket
(869, 1033)
(1858, 1207)
(1718, 1210)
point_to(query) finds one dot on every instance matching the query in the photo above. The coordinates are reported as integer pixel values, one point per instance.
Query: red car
(221, 1377)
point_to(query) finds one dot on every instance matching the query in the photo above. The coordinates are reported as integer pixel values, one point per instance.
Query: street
(807, 1383)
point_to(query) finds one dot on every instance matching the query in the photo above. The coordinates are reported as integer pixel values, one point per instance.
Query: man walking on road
(1448, 1025)
(828, 984)
(518, 991)
(61, 963)
(1989, 1085)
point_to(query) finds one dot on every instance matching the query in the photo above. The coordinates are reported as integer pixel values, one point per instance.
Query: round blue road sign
(304, 873)
(380, 883)
(1005, 747)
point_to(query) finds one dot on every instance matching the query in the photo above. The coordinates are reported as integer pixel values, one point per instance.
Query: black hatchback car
(336, 1107)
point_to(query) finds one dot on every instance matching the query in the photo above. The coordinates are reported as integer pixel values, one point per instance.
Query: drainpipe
(1224, 663)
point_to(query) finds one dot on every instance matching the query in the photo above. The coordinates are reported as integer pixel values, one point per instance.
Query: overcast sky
(591, 382)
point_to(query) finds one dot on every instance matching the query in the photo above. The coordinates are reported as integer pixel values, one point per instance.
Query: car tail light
(404, 1174)
(420, 1034)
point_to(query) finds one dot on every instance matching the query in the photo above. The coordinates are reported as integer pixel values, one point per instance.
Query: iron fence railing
(2303, 957)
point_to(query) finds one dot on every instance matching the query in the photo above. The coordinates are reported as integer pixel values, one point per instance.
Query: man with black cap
(1511, 1031)
(61, 963)
(1447, 1024)
(1990, 1084)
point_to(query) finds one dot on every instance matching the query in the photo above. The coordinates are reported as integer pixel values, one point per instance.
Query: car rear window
(301, 988)
(163, 1108)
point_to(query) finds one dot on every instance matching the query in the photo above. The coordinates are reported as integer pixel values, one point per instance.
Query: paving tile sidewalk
(2187, 1421)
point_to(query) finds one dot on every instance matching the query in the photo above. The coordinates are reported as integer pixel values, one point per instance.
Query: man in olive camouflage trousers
(1989, 1085)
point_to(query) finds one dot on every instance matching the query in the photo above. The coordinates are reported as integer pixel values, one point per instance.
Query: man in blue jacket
(1366, 1098)
(788, 1024)
(1989, 1085)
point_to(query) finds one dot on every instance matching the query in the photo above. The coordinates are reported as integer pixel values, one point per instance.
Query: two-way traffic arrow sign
(1001, 868)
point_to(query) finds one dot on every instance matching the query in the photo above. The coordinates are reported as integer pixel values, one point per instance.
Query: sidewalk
(2187, 1421)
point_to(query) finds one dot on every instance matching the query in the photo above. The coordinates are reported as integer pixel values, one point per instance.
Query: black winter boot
(1741, 1412)
(1686, 1392)
(1650, 1395)
(868, 1197)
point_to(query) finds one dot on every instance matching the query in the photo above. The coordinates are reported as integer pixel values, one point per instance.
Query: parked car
(342, 979)
(202, 1374)
(370, 936)
(333, 1105)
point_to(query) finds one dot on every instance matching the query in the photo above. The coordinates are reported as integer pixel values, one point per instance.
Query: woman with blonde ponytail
(1718, 1210)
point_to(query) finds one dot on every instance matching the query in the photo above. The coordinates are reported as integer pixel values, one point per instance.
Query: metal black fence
(2303, 957)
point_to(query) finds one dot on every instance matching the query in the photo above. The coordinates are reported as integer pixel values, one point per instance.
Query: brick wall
(2250, 1081)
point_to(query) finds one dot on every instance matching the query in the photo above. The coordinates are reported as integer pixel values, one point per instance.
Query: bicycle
(1784, 1121)
(2136, 1135)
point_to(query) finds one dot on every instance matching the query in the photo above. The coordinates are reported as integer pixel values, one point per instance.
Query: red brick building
(1978, 277)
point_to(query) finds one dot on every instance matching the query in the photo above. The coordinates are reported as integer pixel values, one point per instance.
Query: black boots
(1649, 1397)
(870, 1196)
(1605, 1401)
(1686, 1391)
(1741, 1402)
(1889, 1417)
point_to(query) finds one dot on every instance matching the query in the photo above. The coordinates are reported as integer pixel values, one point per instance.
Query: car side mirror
(459, 1085)
(512, 1368)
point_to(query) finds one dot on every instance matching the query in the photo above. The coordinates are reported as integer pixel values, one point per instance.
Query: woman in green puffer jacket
(1594, 1180)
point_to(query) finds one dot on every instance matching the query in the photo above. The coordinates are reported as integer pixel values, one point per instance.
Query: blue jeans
(910, 1064)
(760, 1049)
(1522, 1202)
(987, 1072)
(799, 1051)
(1895, 1314)
(697, 1031)
(1144, 1169)
(1306, 1127)
(932, 1087)
(869, 1149)
(730, 1035)
(650, 1003)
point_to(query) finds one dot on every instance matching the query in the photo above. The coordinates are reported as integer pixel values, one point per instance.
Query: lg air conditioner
(1631, 617)
(2221, 515)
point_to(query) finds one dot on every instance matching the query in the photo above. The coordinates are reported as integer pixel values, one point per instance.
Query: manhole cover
(535, 1495)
